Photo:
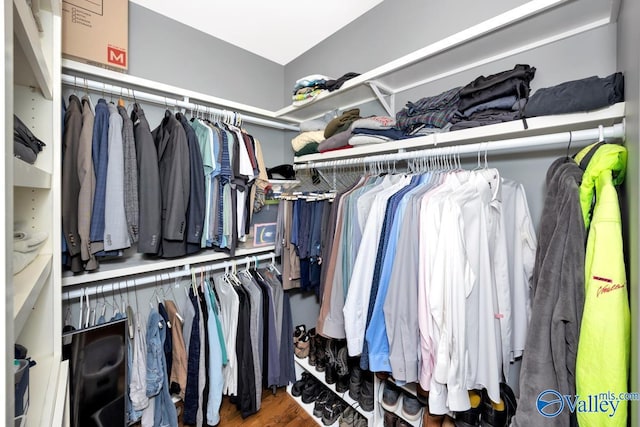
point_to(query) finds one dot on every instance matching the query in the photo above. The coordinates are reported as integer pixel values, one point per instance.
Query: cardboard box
(96, 32)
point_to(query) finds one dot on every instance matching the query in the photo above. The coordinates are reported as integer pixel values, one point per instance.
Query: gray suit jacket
(150, 231)
(130, 175)
(173, 159)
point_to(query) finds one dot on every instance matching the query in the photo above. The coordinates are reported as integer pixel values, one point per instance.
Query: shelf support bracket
(381, 93)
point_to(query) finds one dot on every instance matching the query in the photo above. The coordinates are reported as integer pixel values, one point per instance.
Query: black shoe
(321, 359)
(342, 385)
(322, 400)
(492, 417)
(298, 386)
(311, 391)
(330, 375)
(333, 411)
(366, 392)
(355, 382)
(468, 418)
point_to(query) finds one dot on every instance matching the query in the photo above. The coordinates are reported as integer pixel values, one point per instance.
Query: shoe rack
(302, 365)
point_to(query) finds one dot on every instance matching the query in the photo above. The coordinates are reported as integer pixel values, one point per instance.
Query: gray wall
(390, 30)
(629, 63)
(167, 51)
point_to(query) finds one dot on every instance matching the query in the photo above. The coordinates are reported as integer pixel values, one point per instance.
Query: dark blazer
(149, 197)
(173, 165)
(70, 180)
(196, 209)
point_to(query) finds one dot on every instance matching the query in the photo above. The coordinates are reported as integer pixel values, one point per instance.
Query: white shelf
(27, 286)
(512, 32)
(304, 364)
(513, 129)
(43, 383)
(28, 36)
(30, 176)
(308, 407)
(83, 71)
(117, 269)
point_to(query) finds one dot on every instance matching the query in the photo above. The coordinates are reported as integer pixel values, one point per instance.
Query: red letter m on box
(116, 56)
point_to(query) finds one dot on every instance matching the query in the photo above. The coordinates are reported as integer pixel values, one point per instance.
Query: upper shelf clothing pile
(497, 98)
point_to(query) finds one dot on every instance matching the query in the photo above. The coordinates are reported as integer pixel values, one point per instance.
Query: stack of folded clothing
(577, 96)
(26, 247)
(336, 84)
(26, 145)
(307, 142)
(431, 114)
(375, 129)
(309, 88)
(493, 99)
(342, 122)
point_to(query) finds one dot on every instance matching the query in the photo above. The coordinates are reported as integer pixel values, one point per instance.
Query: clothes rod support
(169, 102)
(125, 284)
(530, 143)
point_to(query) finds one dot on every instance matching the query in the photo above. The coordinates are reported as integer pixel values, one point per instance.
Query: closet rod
(83, 83)
(515, 144)
(124, 284)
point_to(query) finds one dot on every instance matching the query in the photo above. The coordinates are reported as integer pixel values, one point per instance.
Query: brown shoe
(301, 348)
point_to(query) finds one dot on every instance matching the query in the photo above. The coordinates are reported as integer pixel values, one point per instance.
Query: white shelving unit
(303, 365)
(31, 91)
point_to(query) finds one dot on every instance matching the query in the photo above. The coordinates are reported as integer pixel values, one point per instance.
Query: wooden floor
(276, 410)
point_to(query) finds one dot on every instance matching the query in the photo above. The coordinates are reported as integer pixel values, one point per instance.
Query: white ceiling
(279, 30)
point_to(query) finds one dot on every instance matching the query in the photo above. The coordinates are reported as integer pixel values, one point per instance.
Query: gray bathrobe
(549, 359)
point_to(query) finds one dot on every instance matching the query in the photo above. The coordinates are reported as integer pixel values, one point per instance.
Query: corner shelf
(29, 38)
(30, 176)
(27, 286)
(304, 364)
(512, 32)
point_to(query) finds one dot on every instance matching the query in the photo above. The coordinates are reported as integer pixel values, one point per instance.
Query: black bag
(26, 145)
(506, 83)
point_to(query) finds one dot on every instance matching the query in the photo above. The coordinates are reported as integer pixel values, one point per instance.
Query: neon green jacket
(602, 363)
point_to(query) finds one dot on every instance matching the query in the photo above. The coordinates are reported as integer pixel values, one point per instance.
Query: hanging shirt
(357, 301)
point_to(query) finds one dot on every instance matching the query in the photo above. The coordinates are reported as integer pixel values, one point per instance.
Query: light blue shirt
(376, 333)
(216, 381)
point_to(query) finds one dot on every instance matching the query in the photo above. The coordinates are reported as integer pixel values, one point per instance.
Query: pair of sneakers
(328, 407)
(394, 398)
(352, 418)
